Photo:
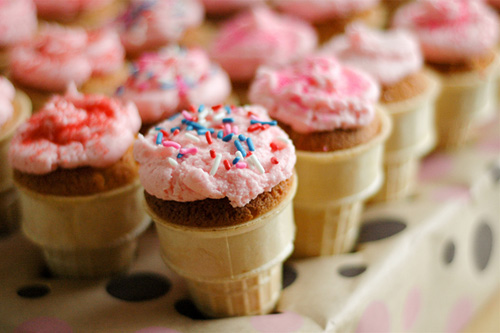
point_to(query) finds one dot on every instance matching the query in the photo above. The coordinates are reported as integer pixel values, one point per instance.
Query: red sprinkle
(227, 165)
(274, 160)
(216, 107)
(191, 108)
(176, 132)
(212, 153)
(265, 126)
(249, 153)
(165, 133)
(250, 113)
(277, 145)
(274, 147)
(209, 137)
(254, 127)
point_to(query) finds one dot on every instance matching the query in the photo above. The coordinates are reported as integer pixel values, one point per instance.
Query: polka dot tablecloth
(425, 264)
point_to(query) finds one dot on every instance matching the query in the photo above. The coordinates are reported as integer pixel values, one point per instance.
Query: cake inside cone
(469, 65)
(411, 86)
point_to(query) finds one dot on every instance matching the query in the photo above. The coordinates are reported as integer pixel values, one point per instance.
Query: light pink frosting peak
(317, 94)
(7, 92)
(450, 30)
(388, 56)
(260, 36)
(163, 83)
(18, 21)
(179, 161)
(105, 51)
(72, 131)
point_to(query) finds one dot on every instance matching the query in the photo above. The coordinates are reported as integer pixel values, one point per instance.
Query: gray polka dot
(449, 252)
(483, 246)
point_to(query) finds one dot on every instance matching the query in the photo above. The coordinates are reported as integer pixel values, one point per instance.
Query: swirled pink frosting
(72, 131)
(450, 31)
(189, 165)
(316, 94)
(7, 92)
(261, 37)
(67, 9)
(163, 83)
(18, 21)
(321, 10)
(228, 6)
(388, 56)
(105, 51)
(149, 24)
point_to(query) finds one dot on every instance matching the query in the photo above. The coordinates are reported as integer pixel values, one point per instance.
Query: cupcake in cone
(495, 4)
(58, 56)
(80, 194)
(408, 93)
(166, 82)
(329, 112)
(15, 108)
(330, 17)
(257, 37)
(18, 23)
(458, 39)
(219, 184)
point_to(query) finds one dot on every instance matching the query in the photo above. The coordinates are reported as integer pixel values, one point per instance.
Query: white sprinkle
(203, 114)
(253, 159)
(192, 137)
(238, 154)
(220, 115)
(215, 166)
(282, 139)
(172, 162)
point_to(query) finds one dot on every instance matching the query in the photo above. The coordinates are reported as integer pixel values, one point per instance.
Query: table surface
(488, 319)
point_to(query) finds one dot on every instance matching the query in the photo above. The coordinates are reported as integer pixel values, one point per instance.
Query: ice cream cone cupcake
(394, 59)
(328, 110)
(219, 185)
(80, 195)
(15, 108)
(458, 39)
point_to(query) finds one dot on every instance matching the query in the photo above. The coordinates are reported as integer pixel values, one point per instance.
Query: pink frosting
(163, 83)
(149, 24)
(321, 10)
(67, 9)
(18, 21)
(208, 167)
(450, 30)
(72, 131)
(7, 92)
(105, 51)
(388, 56)
(261, 37)
(228, 6)
(317, 94)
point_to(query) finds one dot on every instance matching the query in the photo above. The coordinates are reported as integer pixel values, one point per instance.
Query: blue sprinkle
(179, 155)
(240, 148)
(159, 138)
(158, 128)
(120, 90)
(184, 121)
(189, 128)
(241, 137)
(167, 86)
(228, 137)
(200, 109)
(272, 123)
(201, 131)
(172, 130)
(236, 160)
(220, 134)
(174, 116)
(211, 130)
(228, 109)
(195, 125)
(150, 75)
(228, 120)
(250, 145)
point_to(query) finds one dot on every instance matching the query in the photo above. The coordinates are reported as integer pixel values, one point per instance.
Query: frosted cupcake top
(450, 31)
(215, 152)
(260, 36)
(228, 6)
(166, 82)
(321, 10)
(18, 21)
(7, 92)
(58, 56)
(67, 9)
(148, 24)
(388, 56)
(72, 131)
(316, 94)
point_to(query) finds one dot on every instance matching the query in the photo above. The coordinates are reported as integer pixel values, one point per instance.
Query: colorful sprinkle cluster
(215, 123)
(135, 11)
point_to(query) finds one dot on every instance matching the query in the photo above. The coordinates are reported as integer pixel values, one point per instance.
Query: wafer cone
(465, 100)
(4, 60)
(106, 84)
(413, 135)
(87, 236)
(236, 270)
(9, 213)
(332, 191)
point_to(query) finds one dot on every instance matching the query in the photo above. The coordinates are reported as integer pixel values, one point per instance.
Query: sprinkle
(254, 127)
(253, 159)
(212, 153)
(172, 162)
(220, 134)
(249, 154)
(228, 109)
(250, 114)
(284, 140)
(173, 129)
(228, 120)
(227, 129)
(228, 137)
(235, 130)
(191, 108)
(238, 154)
(250, 145)
(241, 165)
(179, 155)
(236, 160)
(215, 166)
(201, 108)
(158, 128)
(272, 123)
(120, 90)
(191, 151)
(274, 160)
(216, 107)
(201, 131)
(187, 116)
(208, 137)
(159, 138)
(174, 116)
(219, 116)
(189, 128)
(265, 126)
(227, 165)
(195, 125)
(277, 145)
(176, 132)
(241, 137)
(171, 144)
(167, 86)
(240, 148)
(192, 137)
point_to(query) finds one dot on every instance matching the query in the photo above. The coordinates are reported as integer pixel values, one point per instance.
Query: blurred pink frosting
(197, 173)
(148, 24)
(388, 56)
(59, 55)
(321, 10)
(163, 83)
(18, 21)
(7, 92)
(67, 9)
(317, 94)
(450, 31)
(228, 6)
(261, 37)
(72, 131)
